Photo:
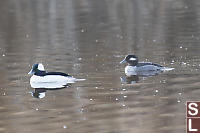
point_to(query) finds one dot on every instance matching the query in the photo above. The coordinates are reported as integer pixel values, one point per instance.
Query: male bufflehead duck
(41, 77)
(142, 68)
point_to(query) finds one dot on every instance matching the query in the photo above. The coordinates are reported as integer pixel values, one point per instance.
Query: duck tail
(73, 80)
(167, 69)
(79, 80)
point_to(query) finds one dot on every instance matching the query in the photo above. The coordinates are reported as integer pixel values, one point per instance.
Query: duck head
(131, 60)
(37, 69)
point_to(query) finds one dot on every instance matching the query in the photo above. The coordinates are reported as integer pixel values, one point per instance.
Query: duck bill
(31, 72)
(123, 61)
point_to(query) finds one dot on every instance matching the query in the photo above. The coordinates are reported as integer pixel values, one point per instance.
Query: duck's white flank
(53, 79)
(134, 70)
(130, 70)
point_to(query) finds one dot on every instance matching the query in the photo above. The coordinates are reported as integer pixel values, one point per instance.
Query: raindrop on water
(183, 63)
(64, 126)
(82, 30)
(82, 109)
(27, 35)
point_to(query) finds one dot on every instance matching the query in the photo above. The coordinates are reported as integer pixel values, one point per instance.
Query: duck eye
(132, 59)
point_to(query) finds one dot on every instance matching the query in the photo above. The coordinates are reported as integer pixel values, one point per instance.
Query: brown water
(88, 39)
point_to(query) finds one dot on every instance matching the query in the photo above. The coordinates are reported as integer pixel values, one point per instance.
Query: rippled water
(88, 39)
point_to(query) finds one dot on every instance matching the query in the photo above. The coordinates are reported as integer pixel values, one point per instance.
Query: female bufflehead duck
(142, 68)
(40, 76)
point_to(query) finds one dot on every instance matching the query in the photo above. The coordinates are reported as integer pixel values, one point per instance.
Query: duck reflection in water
(129, 79)
(40, 90)
(39, 93)
(132, 79)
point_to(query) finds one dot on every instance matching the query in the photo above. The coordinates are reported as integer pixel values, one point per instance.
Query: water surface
(88, 39)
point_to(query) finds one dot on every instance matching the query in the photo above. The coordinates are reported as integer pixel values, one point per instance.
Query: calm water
(88, 39)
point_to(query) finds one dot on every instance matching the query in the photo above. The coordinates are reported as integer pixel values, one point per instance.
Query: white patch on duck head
(133, 59)
(40, 67)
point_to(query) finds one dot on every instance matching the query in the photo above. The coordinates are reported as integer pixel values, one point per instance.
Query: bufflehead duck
(142, 68)
(41, 77)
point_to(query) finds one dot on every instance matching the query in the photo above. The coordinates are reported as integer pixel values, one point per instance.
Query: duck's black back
(147, 63)
(58, 73)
